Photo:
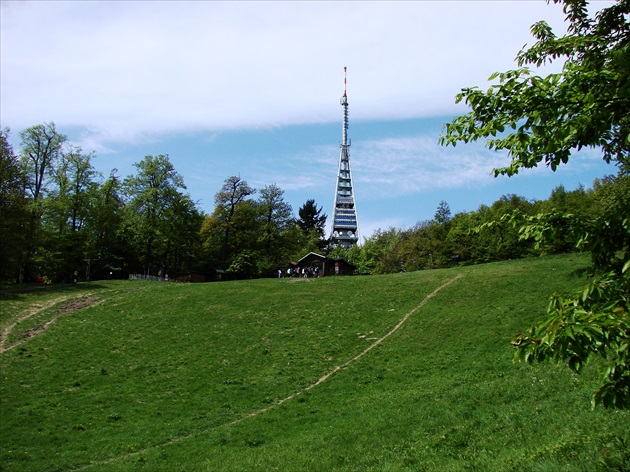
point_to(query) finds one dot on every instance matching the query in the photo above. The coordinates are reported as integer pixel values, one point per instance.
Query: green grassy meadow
(276, 375)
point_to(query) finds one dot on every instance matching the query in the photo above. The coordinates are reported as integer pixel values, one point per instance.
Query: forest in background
(61, 220)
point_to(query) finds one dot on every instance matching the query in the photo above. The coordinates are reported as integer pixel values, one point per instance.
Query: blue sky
(252, 89)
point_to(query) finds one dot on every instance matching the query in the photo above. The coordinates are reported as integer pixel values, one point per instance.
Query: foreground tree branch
(546, 120)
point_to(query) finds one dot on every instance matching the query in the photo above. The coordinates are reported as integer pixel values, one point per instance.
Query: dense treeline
(484, 235)
(61, 220)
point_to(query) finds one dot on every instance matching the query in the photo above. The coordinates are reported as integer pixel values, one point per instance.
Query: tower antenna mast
(344, 104)
(345, 227)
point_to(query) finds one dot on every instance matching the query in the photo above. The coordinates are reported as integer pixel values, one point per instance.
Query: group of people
(298, 272)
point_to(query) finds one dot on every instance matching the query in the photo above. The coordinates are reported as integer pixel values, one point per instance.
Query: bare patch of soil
(71, 306)
(65, 308)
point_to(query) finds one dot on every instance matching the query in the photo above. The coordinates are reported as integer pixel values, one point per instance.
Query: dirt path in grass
(321, 380)
(73, 304)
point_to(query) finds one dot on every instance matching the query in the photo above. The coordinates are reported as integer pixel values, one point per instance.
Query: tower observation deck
(345, 226)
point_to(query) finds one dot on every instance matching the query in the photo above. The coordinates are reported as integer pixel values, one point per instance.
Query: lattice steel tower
(345, 226)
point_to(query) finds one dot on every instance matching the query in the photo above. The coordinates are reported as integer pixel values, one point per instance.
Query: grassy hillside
(400, 372)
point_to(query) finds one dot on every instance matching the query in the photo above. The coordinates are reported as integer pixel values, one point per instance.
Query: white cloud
(127, 68)
(411, 165)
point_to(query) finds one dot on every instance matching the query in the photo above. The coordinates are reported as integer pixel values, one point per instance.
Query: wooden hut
(325, 266)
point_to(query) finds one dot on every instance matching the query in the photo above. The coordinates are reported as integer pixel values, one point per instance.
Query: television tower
(345, 227)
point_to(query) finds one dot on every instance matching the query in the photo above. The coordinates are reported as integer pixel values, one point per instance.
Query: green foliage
(276, 237)
(14, 215)
(596, 320)
(311, 219)
(106, 249)
(243, 264)
(448, 241)
(371, 257)
(250, 238)
(420, 248)
(443, 242)
(593, 321)
(502, 240)
(231, 202)
(546, 119)
(41, 148)
(109, 227)
(66, 210)
(61, 220)
(443, 214)
(161, 222)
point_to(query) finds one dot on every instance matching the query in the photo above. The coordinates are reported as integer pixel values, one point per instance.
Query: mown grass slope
(155, 376)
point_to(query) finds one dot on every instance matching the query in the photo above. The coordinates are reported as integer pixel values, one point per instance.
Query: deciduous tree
(67, 206)
(545, 120)
(41, 148)
(152, 193)
(232, 197)
(276, 218)
(13, 210)
(106, 250)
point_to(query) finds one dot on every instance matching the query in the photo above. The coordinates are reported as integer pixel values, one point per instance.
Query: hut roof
(313, 255)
